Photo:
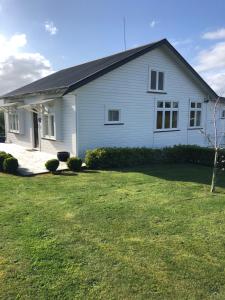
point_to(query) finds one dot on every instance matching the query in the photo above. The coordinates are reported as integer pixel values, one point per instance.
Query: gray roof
(69, 79)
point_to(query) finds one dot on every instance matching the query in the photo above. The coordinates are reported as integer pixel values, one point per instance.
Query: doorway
(36, 131)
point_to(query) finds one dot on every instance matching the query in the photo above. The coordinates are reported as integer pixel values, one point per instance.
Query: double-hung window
(167, 115)
(48, 125)
(195, 114)
(157, 81)
(14, 122)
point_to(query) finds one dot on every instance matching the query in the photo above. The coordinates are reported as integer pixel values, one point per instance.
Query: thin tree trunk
(213, 184)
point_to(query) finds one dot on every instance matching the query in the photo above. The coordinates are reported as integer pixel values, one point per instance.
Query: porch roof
(37, 105)
(6, 107)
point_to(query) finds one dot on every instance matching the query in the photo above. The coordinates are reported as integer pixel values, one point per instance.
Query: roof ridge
(108, 56)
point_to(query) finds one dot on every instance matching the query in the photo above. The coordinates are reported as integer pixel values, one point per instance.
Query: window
(167, 115)
(195, 114)
(14, 122)
(48, 125)
(223, 114)
(113, 116)
(156, 81)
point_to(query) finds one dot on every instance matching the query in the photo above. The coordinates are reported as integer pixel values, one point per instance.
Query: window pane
(167, 119)
(159, 119)
(153, 80)
(16, 122)
(199, 105)
(223, 114)
(52, 127)
(161, 81)
(192, 118)
(45, 124)
(109, 115)
(175, 104)
(174, 119)
(113, 115)
(168, 104)
(10, 122)
(160, 104)
(192, 104)
(198, 118)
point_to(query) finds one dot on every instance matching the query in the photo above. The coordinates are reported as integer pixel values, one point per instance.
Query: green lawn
(148, 233)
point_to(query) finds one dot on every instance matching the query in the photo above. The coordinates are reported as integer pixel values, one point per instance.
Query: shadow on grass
(180, 172)
(70, 173)
(67, 173)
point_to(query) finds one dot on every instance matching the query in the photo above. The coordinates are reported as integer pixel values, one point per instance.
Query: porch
(31, 162)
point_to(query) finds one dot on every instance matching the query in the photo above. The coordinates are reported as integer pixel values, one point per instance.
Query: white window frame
(157, 80)
(48, 136)
(164, 109)
(12, 116)
(195, 109)
(107, 115)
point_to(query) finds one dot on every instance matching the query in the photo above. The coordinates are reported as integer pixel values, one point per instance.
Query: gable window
(48, 123)
(167, 115)
(195, 114)
(14, 122)
(156, 80)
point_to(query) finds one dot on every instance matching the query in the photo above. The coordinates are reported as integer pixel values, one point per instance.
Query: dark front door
(36, 136)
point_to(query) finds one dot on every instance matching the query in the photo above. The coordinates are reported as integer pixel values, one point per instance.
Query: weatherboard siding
(127, 89)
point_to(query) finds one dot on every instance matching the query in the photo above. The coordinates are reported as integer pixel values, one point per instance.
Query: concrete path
(30, 161)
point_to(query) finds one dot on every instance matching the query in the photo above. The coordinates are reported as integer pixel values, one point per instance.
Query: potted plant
(63, 156)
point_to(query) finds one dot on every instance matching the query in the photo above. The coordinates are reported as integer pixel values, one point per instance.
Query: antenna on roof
(124, 33)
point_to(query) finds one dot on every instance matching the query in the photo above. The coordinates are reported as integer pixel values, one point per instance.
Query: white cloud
(216, 81)
(212, 58)
(210, 63)
(153, 23)
(176, 43)
(214, 35)
(17, 67)
(51, 28)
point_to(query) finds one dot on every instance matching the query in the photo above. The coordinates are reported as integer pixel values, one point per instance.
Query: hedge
(106, 158)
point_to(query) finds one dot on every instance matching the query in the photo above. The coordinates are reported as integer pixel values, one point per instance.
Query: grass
(149, 233)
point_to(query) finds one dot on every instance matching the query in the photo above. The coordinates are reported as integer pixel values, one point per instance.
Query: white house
(148, 96)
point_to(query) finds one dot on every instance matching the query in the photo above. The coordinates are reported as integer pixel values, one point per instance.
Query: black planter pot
(63, 156)
(2, 139)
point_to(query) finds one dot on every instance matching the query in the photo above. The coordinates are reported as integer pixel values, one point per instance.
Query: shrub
(52, 165)
(74, 164)
(3, 156)
(10, 165)
(106, 158)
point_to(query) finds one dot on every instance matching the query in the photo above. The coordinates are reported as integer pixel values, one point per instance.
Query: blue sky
(57, 34)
